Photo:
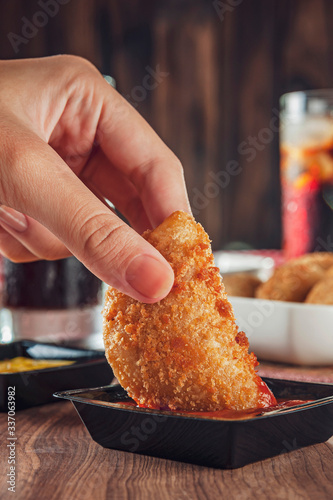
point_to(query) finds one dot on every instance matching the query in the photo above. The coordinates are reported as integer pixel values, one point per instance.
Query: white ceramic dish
(233, 262)
(287, 332)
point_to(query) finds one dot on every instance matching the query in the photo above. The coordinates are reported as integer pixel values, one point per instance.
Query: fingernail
(15, 220)
(149, 276)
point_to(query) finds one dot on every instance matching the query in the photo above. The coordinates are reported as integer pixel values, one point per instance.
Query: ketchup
(231, 414)
(267, 398)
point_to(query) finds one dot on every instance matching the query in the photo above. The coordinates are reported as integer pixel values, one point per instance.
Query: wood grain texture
(225, 75)
(57, 459)
(323, 374)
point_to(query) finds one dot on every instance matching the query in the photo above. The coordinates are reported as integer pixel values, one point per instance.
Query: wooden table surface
(57, 459)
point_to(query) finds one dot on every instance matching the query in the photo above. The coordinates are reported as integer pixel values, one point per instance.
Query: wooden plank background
(227, 63)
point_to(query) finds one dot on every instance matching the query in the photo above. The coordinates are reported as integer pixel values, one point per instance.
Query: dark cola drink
(60, 284)
(50, 301)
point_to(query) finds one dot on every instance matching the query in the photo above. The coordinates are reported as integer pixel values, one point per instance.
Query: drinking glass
(306, 149)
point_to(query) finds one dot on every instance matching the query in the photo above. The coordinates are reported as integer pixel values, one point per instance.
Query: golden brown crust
(329, 272)
(184, 352)
(292, 281)
(322, 292)
(241, 284)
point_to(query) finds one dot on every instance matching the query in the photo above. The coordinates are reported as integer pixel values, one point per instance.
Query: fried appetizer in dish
(292, 281)
(329, 273)
(241, 284)
(184, 352)
(322, 292)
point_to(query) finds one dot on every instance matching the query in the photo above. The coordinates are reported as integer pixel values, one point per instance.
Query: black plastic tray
(203, 440)
(36, 387)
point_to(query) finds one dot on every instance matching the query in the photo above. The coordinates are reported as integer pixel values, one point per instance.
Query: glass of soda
(306, 150)
(49, 301)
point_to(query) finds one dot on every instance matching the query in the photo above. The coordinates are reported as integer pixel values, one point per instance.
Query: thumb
(40, 184)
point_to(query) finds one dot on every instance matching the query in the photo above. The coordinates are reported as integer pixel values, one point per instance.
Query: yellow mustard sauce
(22, 364)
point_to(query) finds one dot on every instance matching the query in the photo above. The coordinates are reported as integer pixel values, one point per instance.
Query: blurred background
(207, 75)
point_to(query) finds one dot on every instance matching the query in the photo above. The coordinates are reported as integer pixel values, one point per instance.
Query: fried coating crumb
(184, 352)
(322, 292)
(241, 284)
(292, 281)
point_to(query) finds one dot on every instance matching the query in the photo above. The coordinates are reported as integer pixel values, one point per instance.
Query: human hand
(61, 126)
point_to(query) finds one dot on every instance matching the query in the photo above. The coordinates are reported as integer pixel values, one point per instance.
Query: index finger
(132, 146)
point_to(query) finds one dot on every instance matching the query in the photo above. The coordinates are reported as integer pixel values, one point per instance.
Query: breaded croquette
(241, 284)
(329, 273)
(184, 352)
(293, 281)
(322, 292)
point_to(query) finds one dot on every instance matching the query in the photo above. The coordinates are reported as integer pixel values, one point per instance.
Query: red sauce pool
(232, 414)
